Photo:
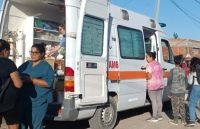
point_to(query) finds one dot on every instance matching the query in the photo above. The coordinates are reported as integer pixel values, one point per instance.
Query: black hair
(62, 25)
(152, 54)
(4, 45)
(194, 61)
(183, 59)
(178, 59)
(41, 48)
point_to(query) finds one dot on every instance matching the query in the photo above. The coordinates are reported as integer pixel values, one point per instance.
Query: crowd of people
(25, 101)
(180, 79)
(26, 108)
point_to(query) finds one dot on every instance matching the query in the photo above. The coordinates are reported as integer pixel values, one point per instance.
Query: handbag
(3, 88)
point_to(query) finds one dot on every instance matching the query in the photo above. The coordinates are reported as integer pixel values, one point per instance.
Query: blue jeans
(194, 98)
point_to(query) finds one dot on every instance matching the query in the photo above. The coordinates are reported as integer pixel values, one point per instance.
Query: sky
(176, 21)
(172, 16)
(1, 1)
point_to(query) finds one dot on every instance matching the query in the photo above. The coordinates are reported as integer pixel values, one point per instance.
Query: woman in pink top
(184, 67)
(155, 85)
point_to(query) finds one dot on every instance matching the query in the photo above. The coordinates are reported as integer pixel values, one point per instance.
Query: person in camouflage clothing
(177, 83)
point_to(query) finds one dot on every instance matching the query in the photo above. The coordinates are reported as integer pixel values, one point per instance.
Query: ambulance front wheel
(105, 117)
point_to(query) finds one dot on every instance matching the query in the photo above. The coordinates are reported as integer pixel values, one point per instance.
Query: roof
(184, 43)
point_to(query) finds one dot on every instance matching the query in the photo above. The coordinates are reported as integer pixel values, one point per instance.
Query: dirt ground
(131, 119)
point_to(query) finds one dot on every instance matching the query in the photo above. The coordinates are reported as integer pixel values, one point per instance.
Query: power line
(197, 1)
(178, 6)
(190, 12)
(185, 11)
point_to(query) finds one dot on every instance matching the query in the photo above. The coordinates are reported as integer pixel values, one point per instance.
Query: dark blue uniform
(34, 99)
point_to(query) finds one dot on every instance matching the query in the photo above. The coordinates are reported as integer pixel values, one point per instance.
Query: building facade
(186, 47)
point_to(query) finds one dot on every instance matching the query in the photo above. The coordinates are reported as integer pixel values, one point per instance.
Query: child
(177, 82)
(155, 84)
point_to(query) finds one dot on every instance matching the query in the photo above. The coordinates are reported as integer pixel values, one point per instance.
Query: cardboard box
(59, 64)
(59, 86)
(51, 62)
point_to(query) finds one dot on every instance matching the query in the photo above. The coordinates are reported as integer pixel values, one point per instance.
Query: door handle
(143, 68)
(164, 69)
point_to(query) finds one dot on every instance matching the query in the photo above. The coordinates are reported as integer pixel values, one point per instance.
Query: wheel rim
(107, 115)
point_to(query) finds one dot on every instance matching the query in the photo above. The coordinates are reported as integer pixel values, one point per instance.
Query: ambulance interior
(26, 22)
(150, 41)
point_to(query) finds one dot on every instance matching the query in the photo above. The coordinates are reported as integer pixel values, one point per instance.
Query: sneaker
(190, 124)
(152, 119)
(197, 119)
(160, 118)
(173, 122)
(183, 123)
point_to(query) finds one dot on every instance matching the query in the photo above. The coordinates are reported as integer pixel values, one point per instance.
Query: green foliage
(62, 51)
(175, 35)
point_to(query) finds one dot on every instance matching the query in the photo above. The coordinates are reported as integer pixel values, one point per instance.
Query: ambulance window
(131, 43)
(92, 36)
(148, 44)
(167, 52)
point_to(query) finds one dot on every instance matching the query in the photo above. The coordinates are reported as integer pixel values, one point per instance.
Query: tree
(175, 35)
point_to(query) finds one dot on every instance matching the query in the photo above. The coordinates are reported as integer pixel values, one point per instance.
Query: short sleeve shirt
(63, 41)
(156, 82)
(7, 67)
(31, 94)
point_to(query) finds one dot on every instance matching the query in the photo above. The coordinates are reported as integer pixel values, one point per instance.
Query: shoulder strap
(3, 88)
(6, 83)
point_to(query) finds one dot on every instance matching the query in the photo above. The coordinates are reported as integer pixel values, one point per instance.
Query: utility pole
(157, 9)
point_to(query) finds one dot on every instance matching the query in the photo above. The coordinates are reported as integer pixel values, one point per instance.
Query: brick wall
(179, 51)
(179, 47)
(182, 51)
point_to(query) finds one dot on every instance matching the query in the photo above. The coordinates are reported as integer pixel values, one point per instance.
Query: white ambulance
(104, 71)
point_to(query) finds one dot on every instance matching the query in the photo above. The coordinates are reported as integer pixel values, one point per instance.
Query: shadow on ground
(83, 124)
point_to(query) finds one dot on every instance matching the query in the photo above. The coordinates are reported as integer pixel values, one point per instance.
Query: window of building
(131, 43)
(196, 51)
(92, 36)
(167, 52)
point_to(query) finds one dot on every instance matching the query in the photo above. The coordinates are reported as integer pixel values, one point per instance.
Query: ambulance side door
(167, 62)
(92, 41)
(2, 15)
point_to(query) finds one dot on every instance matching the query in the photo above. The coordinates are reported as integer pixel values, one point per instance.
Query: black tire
(105, 117)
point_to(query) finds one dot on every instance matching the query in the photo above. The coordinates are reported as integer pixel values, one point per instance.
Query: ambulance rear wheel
(105, 117)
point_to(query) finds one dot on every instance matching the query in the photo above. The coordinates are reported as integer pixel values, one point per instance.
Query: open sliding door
(2, 16)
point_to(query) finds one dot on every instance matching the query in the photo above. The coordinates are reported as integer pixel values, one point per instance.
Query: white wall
(17, 13)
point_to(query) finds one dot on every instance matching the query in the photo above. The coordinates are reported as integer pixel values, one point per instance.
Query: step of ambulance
(52, 111)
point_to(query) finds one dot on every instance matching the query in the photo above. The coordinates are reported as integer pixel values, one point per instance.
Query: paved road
(132, 119)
